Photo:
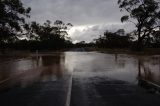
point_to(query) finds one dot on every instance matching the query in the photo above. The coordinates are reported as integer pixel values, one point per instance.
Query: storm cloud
(89, 17)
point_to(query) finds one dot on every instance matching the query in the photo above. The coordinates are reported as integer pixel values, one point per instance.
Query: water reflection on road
(55, 66)
(27, 71)
(123, 67)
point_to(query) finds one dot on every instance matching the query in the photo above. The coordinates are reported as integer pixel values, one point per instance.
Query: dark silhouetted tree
(156, 38)
(144, 14)
(121, 32)
(117, 39)
(50, 36)
(12, 19)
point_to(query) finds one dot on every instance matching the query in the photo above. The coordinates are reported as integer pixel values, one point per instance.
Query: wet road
(79, 79)
(34, 81)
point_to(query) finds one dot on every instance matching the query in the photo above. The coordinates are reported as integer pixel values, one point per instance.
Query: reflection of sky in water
(150, 68)
(83, 64)
(116, 66)
(16, 67)
(35, 69)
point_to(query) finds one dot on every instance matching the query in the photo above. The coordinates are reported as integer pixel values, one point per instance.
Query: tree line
(16, 33)
(116, 39)
(145, 15)
(120, 39)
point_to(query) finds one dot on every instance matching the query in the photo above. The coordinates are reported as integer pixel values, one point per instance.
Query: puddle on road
(27, 71)
(129, 68)
(84, 64)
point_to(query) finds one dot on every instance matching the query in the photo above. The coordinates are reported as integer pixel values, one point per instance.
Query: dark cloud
(79, 12)
(96, 13)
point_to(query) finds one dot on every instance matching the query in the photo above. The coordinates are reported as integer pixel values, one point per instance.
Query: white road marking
(68, 100)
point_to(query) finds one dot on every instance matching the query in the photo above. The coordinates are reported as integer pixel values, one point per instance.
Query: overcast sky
(89, 17)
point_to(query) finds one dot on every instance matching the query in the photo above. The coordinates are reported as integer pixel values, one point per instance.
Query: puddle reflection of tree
(146, 78)
(120, 62)
(144, 71)
(53, 67)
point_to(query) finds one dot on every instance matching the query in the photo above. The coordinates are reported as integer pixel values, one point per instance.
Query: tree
(12, 19)
(116, 39)
(47, 31)
(49, 36)
(156, 38)
(61, 28)
(120, 32)
(144, 14)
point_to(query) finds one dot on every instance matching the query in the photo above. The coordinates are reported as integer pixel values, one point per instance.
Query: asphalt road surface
(109, 92)
(72, 79)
